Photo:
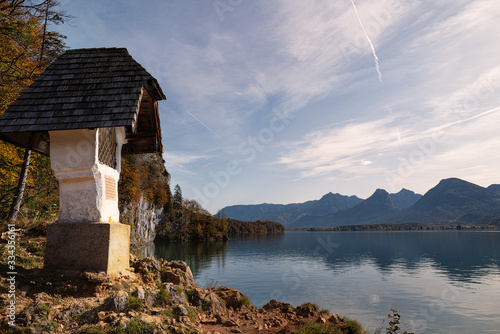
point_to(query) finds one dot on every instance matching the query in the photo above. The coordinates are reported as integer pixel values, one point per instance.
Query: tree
(177, 197)
(26, 49)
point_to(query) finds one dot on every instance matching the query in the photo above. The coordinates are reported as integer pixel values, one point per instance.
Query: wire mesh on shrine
(107, 147)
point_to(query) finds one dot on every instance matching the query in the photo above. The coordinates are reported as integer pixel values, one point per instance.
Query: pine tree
(177, 197)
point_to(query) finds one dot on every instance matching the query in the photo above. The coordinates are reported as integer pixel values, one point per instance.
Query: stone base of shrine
(77, 247)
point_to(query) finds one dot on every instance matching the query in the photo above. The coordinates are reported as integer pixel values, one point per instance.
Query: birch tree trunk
(18, 197)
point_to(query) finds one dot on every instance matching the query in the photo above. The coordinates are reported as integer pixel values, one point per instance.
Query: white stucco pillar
(88, 188)
(87, 235)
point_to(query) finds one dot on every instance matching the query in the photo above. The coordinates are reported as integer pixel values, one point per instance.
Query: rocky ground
(153, 296)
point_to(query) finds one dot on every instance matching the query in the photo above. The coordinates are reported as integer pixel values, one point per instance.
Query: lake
(441, 281)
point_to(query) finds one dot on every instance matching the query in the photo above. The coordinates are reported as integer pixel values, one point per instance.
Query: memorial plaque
(110, 188)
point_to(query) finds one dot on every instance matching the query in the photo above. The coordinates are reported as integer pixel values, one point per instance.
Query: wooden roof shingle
(87, 88)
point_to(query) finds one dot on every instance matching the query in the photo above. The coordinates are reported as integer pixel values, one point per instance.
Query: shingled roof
(88, 88)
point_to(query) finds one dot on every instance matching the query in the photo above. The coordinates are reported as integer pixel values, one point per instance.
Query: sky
(283, 101)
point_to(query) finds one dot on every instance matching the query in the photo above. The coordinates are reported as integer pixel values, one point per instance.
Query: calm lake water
(441, 281)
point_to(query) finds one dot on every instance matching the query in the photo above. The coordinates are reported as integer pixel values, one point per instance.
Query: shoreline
(398, 227)
(152, 296)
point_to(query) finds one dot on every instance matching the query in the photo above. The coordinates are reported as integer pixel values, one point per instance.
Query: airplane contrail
(369, 41)
(196, 118)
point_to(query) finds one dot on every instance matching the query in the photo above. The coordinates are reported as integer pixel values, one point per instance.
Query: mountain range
(451, 201)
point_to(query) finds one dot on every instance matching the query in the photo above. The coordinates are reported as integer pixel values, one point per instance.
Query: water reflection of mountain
(462, 256)
(200, 255)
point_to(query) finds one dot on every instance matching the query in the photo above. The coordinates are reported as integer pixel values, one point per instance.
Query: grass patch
(135, 326)
(189, 294)
(37, 249)
(317, 328)
(244, 301)
(90, 329)
(206, 304)
(168, 313)
(192, 313)
(179, 289)
(163, 297)
(352, 326)
(50, 327)
(51, 282)
(348, 326)
(314, 306)
(133, 303)
(43, 307)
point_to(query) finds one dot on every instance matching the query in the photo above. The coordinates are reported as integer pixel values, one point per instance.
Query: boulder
(273, 304)
(307, 310)
(119, 301)
(171, 275)
(177, 272)
(233, 298)
(146, 265)
(207, 300)
(181, 310)
(139, 293)
(176, 297)
(96, 276)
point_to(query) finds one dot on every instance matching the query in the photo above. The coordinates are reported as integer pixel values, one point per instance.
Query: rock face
(153, 296)
(143, 219)
(142, 208)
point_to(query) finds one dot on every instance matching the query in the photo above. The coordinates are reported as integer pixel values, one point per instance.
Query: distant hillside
(405, 198)
(289, 213)
(448, 202)
(452, 201)
(495, 188)
(376, 206)
(237, 227)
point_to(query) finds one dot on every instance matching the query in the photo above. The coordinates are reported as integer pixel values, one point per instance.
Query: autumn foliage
(144, 175)
(22, 38)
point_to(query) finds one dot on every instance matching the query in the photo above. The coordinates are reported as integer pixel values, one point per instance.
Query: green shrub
(192, 313)
(352, 326)
(163, 296)
(189, 294)
(135, 326)
(90, 329)
(314, 306)
(44, 307)
(133, 303)
(244, 301)
(206, 304)
(318, 328)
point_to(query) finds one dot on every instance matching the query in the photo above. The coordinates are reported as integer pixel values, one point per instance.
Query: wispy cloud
(377, 146)
(340, 148)
(480, 93)
(178, 162)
